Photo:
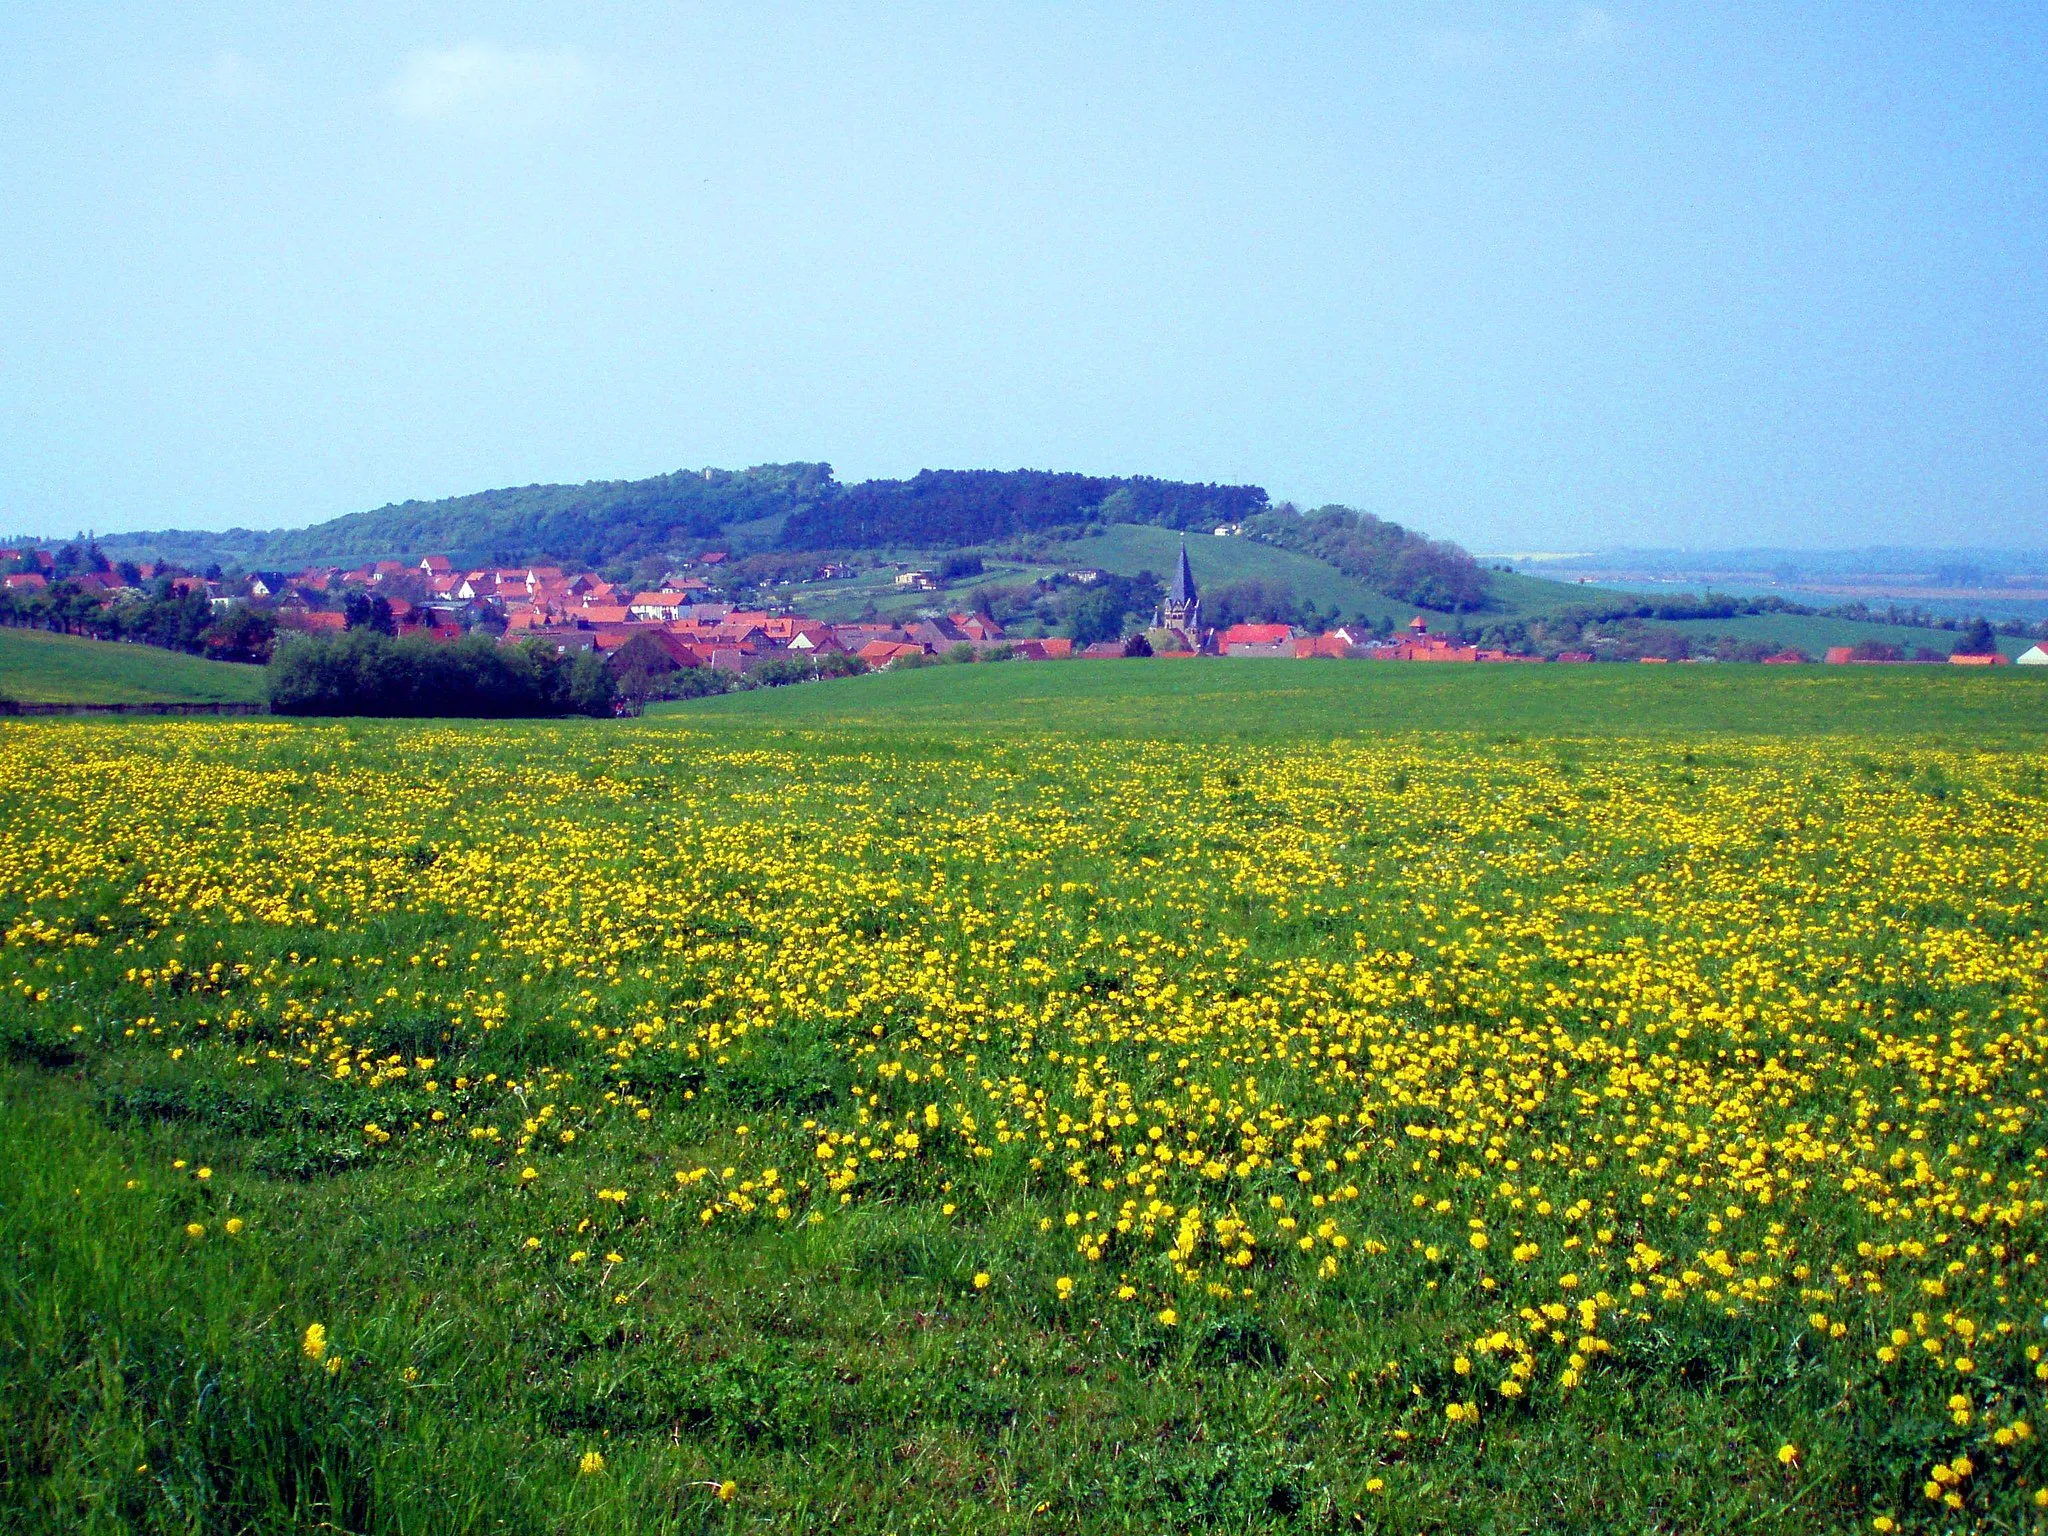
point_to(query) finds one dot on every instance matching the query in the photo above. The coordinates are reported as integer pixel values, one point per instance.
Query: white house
(2036, 657)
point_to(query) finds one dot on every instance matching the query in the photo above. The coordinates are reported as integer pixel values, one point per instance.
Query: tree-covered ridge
(606, 520)
(1385, 556)
(951, 507)
(603, 522)
(591, 523)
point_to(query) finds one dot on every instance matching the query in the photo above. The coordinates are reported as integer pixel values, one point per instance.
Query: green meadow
(1296, 701)
(38, 667)
(1107, 1097)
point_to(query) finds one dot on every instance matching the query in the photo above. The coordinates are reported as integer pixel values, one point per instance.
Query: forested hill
(972, 506)
(591, 523)
(804, 507)
(605, 520)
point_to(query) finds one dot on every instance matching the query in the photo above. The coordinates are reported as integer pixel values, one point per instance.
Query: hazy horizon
(1534, 277)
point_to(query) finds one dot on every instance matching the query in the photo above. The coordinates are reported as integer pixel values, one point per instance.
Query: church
(1181, 613)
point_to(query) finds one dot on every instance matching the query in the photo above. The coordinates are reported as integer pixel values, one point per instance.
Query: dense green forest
(799, 512)
(609, 520)
(953, 507)
(587, 524)
(1384, 556)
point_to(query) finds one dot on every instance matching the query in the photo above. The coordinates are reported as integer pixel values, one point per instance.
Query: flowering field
(640, 1127)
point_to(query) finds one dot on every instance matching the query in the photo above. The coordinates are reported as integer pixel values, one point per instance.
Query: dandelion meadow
(745, 1121)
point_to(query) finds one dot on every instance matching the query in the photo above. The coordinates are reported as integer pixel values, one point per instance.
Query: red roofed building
(886, 653)
(673, 646)
(1421, 645)
(656, 605)
(1308, 647)
(813, 637)
(1051, 648)
(974, 626)
(1256, 640)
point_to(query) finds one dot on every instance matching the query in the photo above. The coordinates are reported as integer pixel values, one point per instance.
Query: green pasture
(847, 1376)
(38, 667)
(1223, 699)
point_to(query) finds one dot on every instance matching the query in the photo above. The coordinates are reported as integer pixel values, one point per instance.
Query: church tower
(1182, 609)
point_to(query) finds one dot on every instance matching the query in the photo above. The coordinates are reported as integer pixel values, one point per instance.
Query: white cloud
(484, 84)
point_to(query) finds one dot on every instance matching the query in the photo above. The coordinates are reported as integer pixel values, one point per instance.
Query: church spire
(1183, 590)
(1182, 609)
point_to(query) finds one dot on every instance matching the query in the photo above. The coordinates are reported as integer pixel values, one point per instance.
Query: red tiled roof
(1256, 634)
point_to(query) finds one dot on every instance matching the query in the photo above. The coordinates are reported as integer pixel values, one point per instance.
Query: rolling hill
(802, 507)
(37, 667)
(1029, 525)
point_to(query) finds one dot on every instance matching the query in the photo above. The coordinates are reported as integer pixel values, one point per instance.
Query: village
(682, 621)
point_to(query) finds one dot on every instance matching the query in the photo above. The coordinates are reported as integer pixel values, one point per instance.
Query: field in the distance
(1135, 1097)
(1221, 699)
(38, 667)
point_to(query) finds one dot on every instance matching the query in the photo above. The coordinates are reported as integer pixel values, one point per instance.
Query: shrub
(367, 673)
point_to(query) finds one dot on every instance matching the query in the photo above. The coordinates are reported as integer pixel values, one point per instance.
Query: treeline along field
(932, 1129)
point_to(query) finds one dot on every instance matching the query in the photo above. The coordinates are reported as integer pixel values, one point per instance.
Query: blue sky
(1533, 276)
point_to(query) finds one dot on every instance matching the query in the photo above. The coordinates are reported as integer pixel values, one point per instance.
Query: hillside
(37, 667)
(1029, 527)
(793, 506)
(597, 521)
(802, 507)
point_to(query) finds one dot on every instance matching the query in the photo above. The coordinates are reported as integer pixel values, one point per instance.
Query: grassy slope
(1129, 548)
(1289, 700)
(1216, 562)
(37, 667)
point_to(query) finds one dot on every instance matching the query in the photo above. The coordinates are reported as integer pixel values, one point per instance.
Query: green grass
(1127, 548)
(1220, 699)
(365, 973)
(37, 667)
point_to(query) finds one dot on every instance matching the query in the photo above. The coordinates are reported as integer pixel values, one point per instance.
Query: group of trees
(957, 507)
(162, 617)
(1106, 608)
(364, 672)
(598, 522)
(604, 523)
(1381, 555)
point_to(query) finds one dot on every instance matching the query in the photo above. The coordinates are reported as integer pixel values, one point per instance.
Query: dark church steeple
(1182, 609)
